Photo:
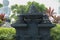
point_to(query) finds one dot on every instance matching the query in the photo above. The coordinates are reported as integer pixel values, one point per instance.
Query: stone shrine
(34, 25)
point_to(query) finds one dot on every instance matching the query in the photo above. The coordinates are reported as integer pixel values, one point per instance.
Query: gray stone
(6, 24)
(33, 26)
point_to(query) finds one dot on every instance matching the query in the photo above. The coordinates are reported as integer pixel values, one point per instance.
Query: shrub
(16, 9)
(7, 33)
(1, 21)
(1, 5)
(55, 32)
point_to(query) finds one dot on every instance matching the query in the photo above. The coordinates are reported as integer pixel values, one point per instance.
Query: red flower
(50, 11)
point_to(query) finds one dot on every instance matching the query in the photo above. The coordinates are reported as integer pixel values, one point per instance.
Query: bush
(55, 32)
(7, 33)
(18, 9)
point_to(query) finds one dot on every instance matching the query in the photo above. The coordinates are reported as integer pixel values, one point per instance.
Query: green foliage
(1, 21)
(22, 8)
(40, 7)
(7, 33)
(14, 8)
(55, 32)
(1, 5)
(25, 8)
